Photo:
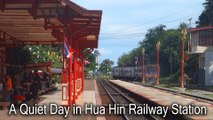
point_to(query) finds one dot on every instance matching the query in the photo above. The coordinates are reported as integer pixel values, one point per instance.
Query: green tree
(124, 60)
(182, 26)
(17, 58)
(46, 53)
(149, 43)
(206, 17)
(136, 52)
(170, 47)
(106, 66)
(92, 65)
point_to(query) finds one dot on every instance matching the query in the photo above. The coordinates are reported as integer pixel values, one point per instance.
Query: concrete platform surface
(166, 99)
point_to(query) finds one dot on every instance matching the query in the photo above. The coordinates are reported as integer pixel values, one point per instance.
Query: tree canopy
(92, 65)
(206, 17)
(46, 53)
(170, 48)
(106, 66)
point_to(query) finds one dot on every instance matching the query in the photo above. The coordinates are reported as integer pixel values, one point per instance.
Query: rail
(123, 99)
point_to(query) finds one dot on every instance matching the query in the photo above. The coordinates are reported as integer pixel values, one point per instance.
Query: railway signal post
(136, 68)
(184, 32)
(143, 52)
(158, 67)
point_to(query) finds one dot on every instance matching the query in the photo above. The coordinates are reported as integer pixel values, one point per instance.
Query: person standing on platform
(9, 88)
(1, 89)
(34, 90)
(37, 78)
(36, 85)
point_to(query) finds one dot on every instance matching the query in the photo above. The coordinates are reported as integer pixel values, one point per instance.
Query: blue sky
(125, 22)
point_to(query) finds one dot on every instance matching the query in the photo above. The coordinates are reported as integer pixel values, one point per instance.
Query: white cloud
(143, 4)
(104, 51)
(108, 3)
(116, 30)
(123, 18)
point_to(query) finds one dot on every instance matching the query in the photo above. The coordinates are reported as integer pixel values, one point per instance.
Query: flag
(67, 50)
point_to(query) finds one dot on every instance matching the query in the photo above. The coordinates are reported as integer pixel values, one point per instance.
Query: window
(206, 38)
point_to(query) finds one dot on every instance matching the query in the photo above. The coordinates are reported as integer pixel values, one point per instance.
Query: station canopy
(24, 22)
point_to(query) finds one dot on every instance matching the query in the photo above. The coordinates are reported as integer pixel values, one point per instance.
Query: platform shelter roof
(200, 28)
(24, 22)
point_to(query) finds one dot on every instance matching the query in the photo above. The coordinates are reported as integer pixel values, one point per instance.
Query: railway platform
(165, 98)
(90, 96)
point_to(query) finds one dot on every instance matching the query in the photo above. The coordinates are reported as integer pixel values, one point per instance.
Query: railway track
(118, 97)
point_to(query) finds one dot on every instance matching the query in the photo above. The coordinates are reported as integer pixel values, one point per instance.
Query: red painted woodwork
(46, 22)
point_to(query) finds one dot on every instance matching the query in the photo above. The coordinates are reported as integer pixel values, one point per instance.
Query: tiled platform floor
(90, 95)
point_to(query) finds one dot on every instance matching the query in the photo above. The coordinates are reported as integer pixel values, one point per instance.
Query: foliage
(92, 65)
(206, 17)
(183, 25)
(170, 40)
(106, 66)
(17, 57)
(46, 53)
(34, 54)
(149, 43)
(124, 60)
(56, 78)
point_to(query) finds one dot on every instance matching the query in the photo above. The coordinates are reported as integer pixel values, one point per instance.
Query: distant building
(201, 43)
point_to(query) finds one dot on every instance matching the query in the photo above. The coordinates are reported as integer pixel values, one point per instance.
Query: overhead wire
(172, 14)
(138, 34)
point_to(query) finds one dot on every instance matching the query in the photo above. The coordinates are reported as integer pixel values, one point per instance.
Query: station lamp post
(143, 52)
(157, 61)
(184, 32)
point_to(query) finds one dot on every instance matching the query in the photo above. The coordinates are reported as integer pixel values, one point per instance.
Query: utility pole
(189, 42)
(190, 22)
(170, 61)
(184, 32)
(210, 15)
(170, 56)
(157, 61)
(143, 52)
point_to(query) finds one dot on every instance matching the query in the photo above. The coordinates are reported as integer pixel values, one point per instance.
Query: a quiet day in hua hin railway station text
(142, 109)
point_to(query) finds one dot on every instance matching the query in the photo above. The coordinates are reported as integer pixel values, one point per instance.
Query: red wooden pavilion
(24, 22)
